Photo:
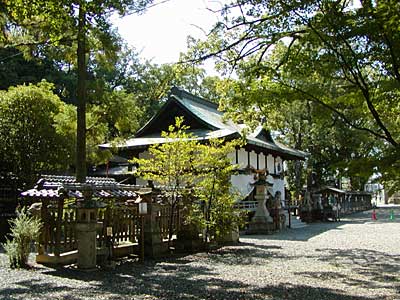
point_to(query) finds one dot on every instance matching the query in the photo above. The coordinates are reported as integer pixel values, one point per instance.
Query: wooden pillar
(237, 156)
(258, 162)
(60, 206)
(266, 161)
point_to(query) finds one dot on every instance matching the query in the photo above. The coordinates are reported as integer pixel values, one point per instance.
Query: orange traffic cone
(373, 216)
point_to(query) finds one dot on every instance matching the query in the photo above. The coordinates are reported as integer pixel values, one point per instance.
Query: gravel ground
(354, 259)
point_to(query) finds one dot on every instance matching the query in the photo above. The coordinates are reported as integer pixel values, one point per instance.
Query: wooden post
(60, 206)
(141, 258)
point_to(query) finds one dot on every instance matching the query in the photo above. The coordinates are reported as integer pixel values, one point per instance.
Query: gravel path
(355, 259)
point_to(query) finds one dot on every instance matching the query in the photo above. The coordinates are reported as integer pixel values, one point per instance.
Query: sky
(160, 33)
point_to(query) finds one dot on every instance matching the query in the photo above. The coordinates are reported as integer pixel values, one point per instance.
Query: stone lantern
(261, 221)
(86, 229)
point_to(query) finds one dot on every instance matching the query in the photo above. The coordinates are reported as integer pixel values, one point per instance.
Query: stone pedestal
(86, 232)
(153, 245)
(86, 235)
(262, 222)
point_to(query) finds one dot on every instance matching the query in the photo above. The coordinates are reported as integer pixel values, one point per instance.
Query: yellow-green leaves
(182, 164)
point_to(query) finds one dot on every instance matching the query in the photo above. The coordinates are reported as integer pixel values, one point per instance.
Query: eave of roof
(285, 152)
(198, 135)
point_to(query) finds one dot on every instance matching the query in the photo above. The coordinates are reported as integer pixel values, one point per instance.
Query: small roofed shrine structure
(64, 205)
(56, 187)
(260, 152)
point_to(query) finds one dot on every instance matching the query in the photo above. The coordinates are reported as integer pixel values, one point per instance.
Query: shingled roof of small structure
(59, 187)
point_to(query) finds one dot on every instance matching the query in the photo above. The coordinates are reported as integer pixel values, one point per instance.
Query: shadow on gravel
(174, 279)
(314, 229)
(32, 287)
(246, 254)
(369, 269)
(296, 292)
(297, 234)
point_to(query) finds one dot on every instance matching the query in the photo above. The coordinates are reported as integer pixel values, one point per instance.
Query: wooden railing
(124, 221)
(164, 220)
(58, 232)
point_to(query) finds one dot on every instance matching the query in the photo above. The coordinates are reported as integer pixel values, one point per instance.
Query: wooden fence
(58, 232)
(124, 221)
(164, 220)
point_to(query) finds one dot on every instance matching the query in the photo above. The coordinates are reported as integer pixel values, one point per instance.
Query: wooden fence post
(60, 206)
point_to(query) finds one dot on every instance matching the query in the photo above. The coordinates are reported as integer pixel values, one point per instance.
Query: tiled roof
(57, 187)
(208, 113)
(71, 179)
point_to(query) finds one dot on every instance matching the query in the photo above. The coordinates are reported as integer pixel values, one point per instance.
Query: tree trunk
(81, 105)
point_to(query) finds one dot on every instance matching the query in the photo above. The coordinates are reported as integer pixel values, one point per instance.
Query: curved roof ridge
(180, 93)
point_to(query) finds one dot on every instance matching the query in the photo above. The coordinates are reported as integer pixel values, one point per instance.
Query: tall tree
(71, 20)
(341, 57)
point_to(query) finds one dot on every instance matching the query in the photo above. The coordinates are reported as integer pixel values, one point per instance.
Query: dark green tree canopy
(28, 130)
(339, 58)
(337, 55)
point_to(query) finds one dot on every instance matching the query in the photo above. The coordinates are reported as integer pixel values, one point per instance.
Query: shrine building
(206, 122)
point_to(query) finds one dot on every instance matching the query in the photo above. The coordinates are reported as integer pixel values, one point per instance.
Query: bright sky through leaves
(160, 33)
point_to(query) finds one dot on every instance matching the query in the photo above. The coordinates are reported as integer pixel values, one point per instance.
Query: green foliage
(61, 22)
(30, 141)
(171, 163)
(330, 68)
(24, 230)
(218, 215)
(185, 167)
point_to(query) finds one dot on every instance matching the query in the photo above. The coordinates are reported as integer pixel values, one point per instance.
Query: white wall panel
(253, 159)
(261, 161)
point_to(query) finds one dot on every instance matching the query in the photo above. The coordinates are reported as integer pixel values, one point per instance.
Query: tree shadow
(246, 253)
(183, 277)
(296, 291)
(369, 268)
(174, 279)
(33, 287)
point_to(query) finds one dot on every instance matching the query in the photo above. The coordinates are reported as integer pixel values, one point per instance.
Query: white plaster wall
(261, 160)
(253, 159)
(270, 164)
(242, 155)
(241, 183)
(279, 185)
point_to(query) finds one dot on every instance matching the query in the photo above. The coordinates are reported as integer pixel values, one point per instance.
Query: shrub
(24, 230)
